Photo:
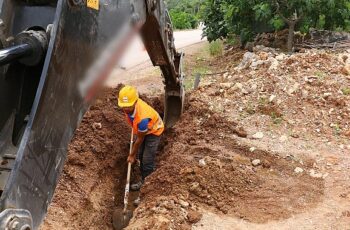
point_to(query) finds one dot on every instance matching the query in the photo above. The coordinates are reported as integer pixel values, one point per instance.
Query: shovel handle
(131, 140)
(127, 188)
(127, 185)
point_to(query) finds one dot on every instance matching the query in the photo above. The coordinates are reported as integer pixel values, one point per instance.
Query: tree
(248, 17)
(184, 13)
(188, 6)
(291, 12)
(215, 23)
(182, 20)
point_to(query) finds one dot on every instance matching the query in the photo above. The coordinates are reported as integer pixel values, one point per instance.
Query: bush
(246, 18)
(183, 20)
(215, 48)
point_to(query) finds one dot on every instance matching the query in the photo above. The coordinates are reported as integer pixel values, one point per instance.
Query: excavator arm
(54, 57)
(157, 36)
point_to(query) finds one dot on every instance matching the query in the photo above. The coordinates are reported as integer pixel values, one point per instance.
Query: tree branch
(287, 20)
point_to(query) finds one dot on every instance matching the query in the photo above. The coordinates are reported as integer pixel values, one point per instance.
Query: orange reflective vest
(143, 111)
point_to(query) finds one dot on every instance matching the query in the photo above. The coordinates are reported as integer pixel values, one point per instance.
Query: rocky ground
(263, 144)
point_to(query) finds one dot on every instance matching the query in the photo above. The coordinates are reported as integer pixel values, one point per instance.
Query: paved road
(136, 53)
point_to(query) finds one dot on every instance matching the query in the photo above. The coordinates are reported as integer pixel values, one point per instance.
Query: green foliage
(184, 13)
(245, 18)
(347, 25)
(321, 22)
(213, 17)
(232, 39)
(277, 22)
(215, 48)
(262, 11)
(183, 20)
(188, 6)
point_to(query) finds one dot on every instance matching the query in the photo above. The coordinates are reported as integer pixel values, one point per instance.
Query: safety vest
(143, 111)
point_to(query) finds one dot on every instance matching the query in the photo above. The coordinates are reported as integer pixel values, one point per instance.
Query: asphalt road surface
(136, 53)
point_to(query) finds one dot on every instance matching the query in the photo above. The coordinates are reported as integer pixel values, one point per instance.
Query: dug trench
(199, 166)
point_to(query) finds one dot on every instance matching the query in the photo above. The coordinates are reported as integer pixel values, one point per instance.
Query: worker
(147, 125)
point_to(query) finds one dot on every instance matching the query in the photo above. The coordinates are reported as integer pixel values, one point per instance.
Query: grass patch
(263, 101)
(189, 81)
(337, 129)
(216, 48)
(346, 91)
(277, 119)
(250, 109)
(320, 75)
(197, 63)
(232, 40)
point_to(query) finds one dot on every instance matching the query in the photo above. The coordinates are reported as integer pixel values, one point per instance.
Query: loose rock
(97, 125)
(283, 138)
(202, 163)
(194, 216)
(256, 162)
(252, 149)
(298, 170)
(258, 135)
(314, 174)
(184, 204)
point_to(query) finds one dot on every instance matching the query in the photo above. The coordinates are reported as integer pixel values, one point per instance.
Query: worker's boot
(136, 186)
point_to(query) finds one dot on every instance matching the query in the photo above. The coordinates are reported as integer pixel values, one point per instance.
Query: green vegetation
(183, 20)
(245, 18)
(250, 109)
(263, 101)
(346, 91)
(197, 63)
(337, 129)
(216, 48)
(184, 13)
(276, 118)
(320, 75)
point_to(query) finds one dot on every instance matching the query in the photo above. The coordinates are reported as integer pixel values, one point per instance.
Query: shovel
(121, 217)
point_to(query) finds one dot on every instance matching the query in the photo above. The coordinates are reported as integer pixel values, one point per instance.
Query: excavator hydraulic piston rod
(29, 48)
(14, 53)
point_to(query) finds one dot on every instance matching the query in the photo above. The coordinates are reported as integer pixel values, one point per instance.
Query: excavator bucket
(153, 34)
(174, 98)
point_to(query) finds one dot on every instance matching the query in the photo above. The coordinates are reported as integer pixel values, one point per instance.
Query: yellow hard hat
(127, 96)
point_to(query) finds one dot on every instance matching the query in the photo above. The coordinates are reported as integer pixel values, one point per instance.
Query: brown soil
(205, 177)
(94, 171)
(227, 183)
(93, 178)
(92, 184)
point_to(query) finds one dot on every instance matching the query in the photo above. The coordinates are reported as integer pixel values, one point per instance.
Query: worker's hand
(131, 159)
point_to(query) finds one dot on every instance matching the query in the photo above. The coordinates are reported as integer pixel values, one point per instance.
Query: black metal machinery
(54, 57)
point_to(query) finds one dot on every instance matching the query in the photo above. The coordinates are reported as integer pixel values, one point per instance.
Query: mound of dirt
(308, 92)
(202, 166)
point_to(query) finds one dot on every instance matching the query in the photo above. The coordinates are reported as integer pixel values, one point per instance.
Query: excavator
(54, 58)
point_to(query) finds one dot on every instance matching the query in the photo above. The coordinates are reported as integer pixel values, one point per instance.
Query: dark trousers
(147, 153)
